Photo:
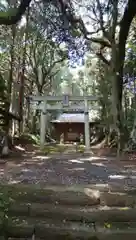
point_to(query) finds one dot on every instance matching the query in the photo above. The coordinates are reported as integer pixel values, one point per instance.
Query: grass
(50, 149)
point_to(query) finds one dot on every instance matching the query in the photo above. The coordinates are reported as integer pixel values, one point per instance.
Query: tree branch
(13, 15)
(78, 22)
(100, 56)
(101, 17)
(115, 20)
(129, 13)
(53, 65)
(103, 41)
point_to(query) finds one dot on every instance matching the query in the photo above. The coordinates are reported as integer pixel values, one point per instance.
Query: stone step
(71, 196)
(34, 238)
(24, 228)
(23, 239)
(69, 213)
(51, 194)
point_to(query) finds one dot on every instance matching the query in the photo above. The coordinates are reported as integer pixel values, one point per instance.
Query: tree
(43, 57)
(58, 20)
(113, 33)
(14, 52)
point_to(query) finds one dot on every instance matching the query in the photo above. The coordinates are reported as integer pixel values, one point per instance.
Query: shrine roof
(76, 117)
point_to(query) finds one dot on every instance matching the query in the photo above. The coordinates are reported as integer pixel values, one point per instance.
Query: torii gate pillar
(43, 123)
(87, 127)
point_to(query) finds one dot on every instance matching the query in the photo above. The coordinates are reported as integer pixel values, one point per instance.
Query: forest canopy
(98, 35)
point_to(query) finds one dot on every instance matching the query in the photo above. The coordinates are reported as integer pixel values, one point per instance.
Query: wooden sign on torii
(48, 103)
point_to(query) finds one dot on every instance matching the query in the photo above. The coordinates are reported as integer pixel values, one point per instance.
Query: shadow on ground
(32, 167)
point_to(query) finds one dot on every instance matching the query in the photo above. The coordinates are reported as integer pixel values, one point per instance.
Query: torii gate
(50, 103)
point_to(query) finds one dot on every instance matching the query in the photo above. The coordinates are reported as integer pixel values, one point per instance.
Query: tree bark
(129, 13)
(33, 125)
(22, 77)
(117, 64)
(11, 72)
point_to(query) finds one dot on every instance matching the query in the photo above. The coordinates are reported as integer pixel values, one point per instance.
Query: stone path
(33, 168)
(50, 210)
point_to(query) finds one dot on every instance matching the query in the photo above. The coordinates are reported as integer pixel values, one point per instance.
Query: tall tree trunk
(117, 64)
(128, 16)
(11, 72)
(22, 77)
(34, 119)
(35, 112)
(28, 119)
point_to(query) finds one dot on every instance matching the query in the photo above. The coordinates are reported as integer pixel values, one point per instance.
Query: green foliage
(60, 148)
(8, 13)
(46, 61)
(50, 149)
(30, 138)
(107, 225)
(76, 33)
(81, 148)
(4, 205)
(5, 201)
(4, 104)
(129, 121)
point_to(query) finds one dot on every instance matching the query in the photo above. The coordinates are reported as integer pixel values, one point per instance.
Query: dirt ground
(32, 167)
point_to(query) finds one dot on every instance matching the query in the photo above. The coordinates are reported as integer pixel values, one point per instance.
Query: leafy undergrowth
(49, 149)
(5, 201)
(27, 139)
(62, 148)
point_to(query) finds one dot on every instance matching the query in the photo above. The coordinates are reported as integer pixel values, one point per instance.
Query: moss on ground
(62, 148)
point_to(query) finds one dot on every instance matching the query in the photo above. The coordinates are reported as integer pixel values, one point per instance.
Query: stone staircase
(61, 212)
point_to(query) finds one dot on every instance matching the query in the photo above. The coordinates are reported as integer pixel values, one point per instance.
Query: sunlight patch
(84, 159)
(79, 169)
(122, 177)
(13, 181)
(98, 164)
(101, 185)
(40, 157)
(117, 176)
(49, 170)
(129, 166)
(92, 193)
(75, 161)
(32, 152)
(19, 148)
(97, 158)
(75, 169)
(128, 171)
(26, 170)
